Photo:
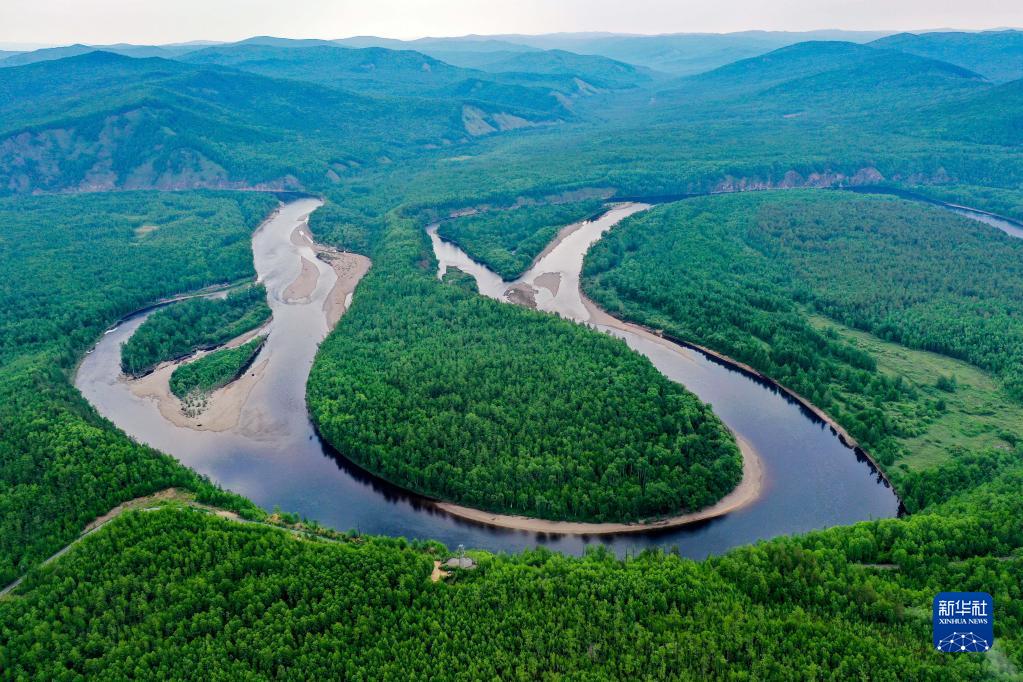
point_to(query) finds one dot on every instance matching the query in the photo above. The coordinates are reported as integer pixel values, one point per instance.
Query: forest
(505, 409)
(182, 328)
(61, 464)
(178, 591)
(741, 274)
(214, 370)
(507, 241)
(901, 321)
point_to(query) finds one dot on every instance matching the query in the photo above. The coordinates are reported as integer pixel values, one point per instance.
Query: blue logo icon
(964, 622)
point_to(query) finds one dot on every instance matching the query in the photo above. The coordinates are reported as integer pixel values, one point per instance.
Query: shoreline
(747, 491)
(224, 406)
(601, 317)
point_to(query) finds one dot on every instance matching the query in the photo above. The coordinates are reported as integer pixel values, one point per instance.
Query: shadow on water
(812, 478)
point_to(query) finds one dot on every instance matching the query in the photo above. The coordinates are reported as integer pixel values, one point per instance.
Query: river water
(275, 458)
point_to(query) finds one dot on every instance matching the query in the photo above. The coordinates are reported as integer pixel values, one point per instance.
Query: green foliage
(496, 407)
(997, 55)
(182, 328)
(215, 370)
(69, 268)
(456, 277)
(507, 241)
(731, 273)
(167, 593)
(342, 227)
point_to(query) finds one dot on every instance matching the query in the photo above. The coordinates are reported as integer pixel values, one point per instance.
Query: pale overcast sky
(162, 21)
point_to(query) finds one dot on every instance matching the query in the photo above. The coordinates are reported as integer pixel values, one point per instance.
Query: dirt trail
(144, 503)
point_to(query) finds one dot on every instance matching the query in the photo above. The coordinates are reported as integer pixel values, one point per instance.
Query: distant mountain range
(240, 115)
(994, 54)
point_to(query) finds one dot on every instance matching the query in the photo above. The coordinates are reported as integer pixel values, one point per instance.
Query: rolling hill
(599, 72)
(112, 122)
(836, 79)
(683, 54)
(370, 69)
(996, 55)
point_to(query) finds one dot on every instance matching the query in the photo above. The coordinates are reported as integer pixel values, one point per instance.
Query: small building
(460, 561)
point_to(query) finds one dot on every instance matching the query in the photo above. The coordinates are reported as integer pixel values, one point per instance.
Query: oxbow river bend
(273, 456)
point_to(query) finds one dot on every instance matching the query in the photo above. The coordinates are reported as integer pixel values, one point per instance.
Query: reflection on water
(275, 458)
(812, 480)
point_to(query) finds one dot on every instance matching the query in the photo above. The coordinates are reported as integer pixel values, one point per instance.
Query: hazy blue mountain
(272, 41)
(684, 53)
(996, 55)
(756, 74)
(598, 71)
(830, 81)
(46, 54)
(882, 84)
(471, 60)
(367, 69)
(383, 71)
(431, 45)
(125, 49)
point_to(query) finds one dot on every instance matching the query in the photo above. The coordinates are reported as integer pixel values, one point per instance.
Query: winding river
(272, 455)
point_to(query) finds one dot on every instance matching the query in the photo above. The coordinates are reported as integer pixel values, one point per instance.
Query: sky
(61, 22)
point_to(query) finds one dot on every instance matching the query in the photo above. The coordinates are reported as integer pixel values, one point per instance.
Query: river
(274, 457)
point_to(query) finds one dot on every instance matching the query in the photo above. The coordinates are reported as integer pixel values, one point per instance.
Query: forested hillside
(997, 55)
(740, 274)
(176, 591)
(60, 464)
(500, 408)
(105, 121)
(900, 320)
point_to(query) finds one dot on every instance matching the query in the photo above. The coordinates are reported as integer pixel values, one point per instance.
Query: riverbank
(746, 492)
(223, 406)
(349, 268)
(523, 292)
(600, 317)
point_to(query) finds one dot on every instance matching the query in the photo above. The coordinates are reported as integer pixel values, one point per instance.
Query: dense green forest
(214, 370)
(175, 592)
(65, 278)
(182, 328)
(442, 391)
(740, 274)
(507, 241)
(505, 409)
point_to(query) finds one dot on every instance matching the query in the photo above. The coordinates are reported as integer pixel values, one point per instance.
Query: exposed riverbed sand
(223, 406)
(301, 236)
(521, 294)
(304, 285)
(551, 281)
(746, 492)
(350, 268)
